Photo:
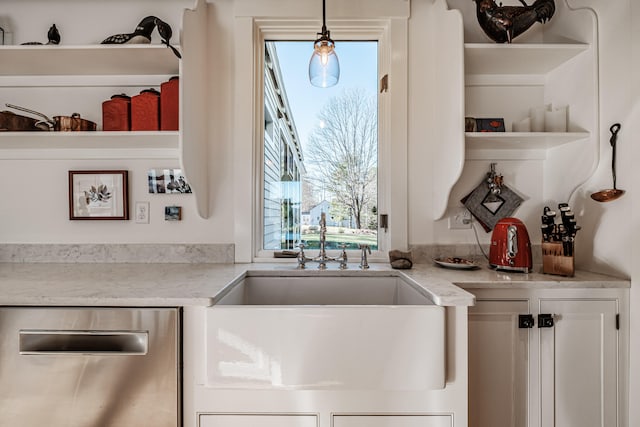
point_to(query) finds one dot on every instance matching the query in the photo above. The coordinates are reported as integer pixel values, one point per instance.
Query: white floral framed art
(98, 194)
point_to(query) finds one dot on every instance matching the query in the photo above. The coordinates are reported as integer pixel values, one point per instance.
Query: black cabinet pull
(525, 321)
(545, 320)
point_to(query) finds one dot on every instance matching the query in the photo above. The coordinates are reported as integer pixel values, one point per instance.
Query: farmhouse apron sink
(325, 331)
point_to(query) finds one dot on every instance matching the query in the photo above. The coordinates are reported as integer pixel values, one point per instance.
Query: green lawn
(334, 239)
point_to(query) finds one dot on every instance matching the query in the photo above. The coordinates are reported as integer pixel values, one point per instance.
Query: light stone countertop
(155, 284)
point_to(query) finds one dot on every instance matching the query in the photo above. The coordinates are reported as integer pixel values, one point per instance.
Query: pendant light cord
(324, 18)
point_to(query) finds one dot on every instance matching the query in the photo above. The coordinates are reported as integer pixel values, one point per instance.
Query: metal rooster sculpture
(504, 23)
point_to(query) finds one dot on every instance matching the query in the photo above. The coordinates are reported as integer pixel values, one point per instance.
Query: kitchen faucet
(322, 257)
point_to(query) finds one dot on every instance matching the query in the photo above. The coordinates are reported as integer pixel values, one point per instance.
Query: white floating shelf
(89, 145)
(47, 60)
(521, 140)
(516, 145)
(487, 58)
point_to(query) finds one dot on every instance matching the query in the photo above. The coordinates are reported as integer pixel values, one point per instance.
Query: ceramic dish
(455, 262)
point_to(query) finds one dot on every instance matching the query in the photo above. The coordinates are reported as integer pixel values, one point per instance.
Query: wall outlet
(142, 212)
(460, 219)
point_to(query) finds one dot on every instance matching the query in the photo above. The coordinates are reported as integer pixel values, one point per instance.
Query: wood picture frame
(98, 195)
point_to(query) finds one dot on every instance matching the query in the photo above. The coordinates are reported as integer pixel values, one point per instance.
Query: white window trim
(250, 34)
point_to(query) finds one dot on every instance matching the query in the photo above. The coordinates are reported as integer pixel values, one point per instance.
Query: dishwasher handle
(38, 341)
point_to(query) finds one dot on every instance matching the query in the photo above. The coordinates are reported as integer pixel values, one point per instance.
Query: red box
(169, 104)
(145, 110)
(116, 113)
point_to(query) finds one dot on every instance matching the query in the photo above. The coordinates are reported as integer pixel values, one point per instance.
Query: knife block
(554, 261)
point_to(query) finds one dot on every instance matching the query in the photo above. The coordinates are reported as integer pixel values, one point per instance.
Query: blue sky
(358, 68)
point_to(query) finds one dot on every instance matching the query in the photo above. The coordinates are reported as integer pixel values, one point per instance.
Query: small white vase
(555, 120)
(537, 115)
(523, 125)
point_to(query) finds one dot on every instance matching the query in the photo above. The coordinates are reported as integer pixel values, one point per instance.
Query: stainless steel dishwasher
(89, 367)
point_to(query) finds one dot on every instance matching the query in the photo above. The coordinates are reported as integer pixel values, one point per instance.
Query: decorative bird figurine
(165, 34)
(53, 35)
(504, 23)
(142, 34)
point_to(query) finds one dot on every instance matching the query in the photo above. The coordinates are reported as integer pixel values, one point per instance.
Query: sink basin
(335, 332)
(324, 290)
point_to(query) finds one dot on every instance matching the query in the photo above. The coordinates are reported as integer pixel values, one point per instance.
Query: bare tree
(344, 151)
(309, 198)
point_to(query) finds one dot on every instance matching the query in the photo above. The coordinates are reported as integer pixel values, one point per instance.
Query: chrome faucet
(322, 257)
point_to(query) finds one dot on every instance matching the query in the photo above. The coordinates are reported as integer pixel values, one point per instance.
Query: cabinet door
(578, 364)
(498, 364)
(392, 421)
(254, 420)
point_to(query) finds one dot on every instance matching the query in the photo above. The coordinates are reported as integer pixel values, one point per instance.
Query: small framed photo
(98, 194)
(172, 213)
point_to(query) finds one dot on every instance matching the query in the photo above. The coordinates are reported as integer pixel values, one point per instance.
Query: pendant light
(324, 69)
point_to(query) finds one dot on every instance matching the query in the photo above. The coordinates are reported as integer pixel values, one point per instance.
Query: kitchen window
(328, 144)
(386, 26)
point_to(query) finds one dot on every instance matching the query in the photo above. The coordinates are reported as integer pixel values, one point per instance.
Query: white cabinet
(498, 363)
(569, 368)
(408, 420)
(309, 420)
(254, 420)
(578, 363)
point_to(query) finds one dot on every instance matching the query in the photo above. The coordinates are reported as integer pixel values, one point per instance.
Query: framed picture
(490, 125)
(98, 194)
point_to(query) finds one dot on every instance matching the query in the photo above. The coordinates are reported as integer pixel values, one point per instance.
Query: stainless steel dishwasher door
(89, 367)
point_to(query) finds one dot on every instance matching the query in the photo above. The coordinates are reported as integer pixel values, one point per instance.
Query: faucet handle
(364, 264)
(343, 256)
(302, 258)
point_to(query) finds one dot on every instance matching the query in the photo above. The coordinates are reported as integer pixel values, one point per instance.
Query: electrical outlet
(460, 219)
(142, 212)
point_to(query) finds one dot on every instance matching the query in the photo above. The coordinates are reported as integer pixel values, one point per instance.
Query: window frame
(365, 33)
(251, 34)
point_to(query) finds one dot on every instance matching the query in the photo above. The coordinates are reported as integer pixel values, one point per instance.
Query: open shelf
(521, 140)
(48, 60)
(516, 145)
(540, 58)
(89, 145)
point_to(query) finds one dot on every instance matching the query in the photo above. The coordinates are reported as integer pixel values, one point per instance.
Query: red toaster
(510, 246)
